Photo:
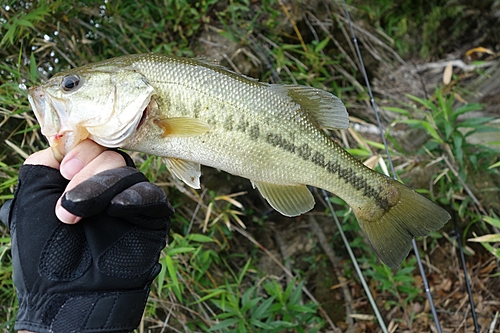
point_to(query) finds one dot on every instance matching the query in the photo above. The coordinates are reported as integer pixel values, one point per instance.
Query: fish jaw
(54, 122)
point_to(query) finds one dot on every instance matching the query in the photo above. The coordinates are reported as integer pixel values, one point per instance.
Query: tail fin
(414, 215)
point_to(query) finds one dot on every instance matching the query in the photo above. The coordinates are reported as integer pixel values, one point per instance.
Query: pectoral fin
(289, 200)
(182, 126)
(188, 172)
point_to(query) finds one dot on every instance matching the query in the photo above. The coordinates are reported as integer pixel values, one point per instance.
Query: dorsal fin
(327, 109)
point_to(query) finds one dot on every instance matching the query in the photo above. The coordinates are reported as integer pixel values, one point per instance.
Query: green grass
(211, 280)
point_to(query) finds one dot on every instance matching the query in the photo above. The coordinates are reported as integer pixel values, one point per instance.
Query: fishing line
(466, 274)
(375, 109)
(457, 233)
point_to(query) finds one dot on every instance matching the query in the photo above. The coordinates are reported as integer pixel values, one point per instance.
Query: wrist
(83, 312)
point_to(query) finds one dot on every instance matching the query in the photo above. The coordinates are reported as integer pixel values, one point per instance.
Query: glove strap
(84, 313)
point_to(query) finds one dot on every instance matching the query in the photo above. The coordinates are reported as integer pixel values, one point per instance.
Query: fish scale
(194, 113)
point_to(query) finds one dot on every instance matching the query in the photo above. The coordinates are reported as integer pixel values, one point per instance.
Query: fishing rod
(391, 165)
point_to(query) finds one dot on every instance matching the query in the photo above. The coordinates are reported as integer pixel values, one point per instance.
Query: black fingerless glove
(93, 276)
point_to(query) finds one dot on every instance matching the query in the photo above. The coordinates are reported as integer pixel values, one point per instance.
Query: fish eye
(70, 83)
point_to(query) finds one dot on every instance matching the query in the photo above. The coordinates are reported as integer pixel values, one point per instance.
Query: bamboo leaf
(493, 221)
(486, 238)
(172, 272)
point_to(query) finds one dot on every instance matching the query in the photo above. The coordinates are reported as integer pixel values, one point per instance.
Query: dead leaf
(446, 285)
(479, 49)
(448, 72)
(460, 98)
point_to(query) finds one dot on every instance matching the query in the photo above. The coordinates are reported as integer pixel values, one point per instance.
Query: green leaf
(160, 279)
(398, 110)
(492, 250)
(33, 68)
(467, 108)
(413, 122)
(261, 311)
(296, 296)
(321, 45)
(301, 308)
(225, 323)
(172, 272)
(25, 23)
(360, 152)
(457, 147)
(405, 270)
(177, 250)
(428, 104)
(375, 144)
(474, 122)
(213, 294)
(243, 271)
(493, 221)
(283, 324)
(432, 131)
(495, 165)
(199, 238)
(260, 324)
(9, 35)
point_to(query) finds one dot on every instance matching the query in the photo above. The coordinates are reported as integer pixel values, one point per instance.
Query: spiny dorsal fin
(327, 109)
(289, 200)
(212, 64)
(182, 126)
(187, 171)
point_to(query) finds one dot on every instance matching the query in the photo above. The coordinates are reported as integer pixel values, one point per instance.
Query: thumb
(93, 195)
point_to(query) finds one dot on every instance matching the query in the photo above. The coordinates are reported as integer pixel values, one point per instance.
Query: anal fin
(187, 171)
(289, 200)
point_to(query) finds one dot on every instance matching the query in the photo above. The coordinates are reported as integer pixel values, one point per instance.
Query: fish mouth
(54, 122)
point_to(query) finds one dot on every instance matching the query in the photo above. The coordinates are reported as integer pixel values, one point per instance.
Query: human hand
(93, 275)
(84, 161)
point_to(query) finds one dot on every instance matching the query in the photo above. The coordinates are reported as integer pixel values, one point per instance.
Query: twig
(16, 149)
(374, 39)
(493, 323)
(294, 25)
(195, 213)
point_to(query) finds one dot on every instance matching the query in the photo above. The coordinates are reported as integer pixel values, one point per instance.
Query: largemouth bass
(193, 112)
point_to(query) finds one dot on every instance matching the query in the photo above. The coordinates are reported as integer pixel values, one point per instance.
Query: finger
(79, 157)
(43, 157)
(94, 195)
(104, 161)
(144, 204)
